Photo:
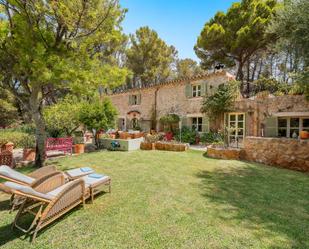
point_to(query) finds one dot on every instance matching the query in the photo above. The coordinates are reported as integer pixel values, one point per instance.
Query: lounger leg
(92, 195)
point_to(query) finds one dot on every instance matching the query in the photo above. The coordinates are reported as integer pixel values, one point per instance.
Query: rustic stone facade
(282, 152)
(257, 110)
(170, 97)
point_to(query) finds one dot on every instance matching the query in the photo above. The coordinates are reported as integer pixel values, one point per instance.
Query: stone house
(260, 116)
(143, 107)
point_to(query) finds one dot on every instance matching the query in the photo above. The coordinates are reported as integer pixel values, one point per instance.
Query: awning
(291, 114)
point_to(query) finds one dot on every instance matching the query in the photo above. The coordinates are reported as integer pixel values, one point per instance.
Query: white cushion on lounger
(91, 181)
(8, 172)
(56, 191)
(73, 173)
(27, 190)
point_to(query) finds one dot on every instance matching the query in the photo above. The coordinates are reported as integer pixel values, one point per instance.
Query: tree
(149, 57)
(8, 110)
(292, 25)
(221, 101)
(232, 38)
(187, 68)
(63, 117)
(96, 115)
(48, 46)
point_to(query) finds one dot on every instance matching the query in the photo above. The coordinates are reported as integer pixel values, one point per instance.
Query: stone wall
(282, 152)
(169, 98)
(258, 109)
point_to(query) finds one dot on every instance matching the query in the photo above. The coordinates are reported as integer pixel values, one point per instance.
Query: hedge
(19, 139)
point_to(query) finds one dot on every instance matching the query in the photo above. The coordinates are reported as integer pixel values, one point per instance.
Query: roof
(176, 81)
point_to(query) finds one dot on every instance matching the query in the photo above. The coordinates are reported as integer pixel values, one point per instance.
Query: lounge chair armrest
(72, 195)
(49, 182)
(46, 170)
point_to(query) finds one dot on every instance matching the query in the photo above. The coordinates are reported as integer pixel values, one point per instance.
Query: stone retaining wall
(282, 152)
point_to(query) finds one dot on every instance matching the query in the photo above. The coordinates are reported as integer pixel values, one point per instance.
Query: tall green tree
(292, 26)
(149, 57)
(187, 68)
(46, 46)
(8, 110)
(232, 38)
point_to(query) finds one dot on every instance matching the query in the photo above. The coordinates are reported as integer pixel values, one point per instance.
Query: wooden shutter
(130, 99)
(184, 122)
(188, 90)
(205, 124)
(139, 98)
(271, 127)
(203, 88)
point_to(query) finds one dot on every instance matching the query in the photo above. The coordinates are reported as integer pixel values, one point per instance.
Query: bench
(63, 144)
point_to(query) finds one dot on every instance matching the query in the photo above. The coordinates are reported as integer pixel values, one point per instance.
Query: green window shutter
(130, 99)
(188, 90)
(271, 127)
(205, 125)
(184, 122)
(139, 98)
(203, 88)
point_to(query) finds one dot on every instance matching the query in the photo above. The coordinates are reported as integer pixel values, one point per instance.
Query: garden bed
(223, 153)
(164, 146)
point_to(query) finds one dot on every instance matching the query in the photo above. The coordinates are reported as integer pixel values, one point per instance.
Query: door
(236, 129)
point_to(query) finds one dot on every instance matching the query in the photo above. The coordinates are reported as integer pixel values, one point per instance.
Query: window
(135, 99)
(282, 127)
(196, 90)
(288, 126)
(236, 129)
(305, 124)
(197, 124)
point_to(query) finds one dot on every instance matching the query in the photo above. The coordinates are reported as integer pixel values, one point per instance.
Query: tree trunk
(35, 109)
(240, 75)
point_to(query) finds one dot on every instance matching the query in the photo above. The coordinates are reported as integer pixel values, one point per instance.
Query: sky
(178, 22)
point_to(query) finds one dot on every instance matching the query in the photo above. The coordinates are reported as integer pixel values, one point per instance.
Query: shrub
(187, 135)
(169, 121)
(212, 137)
(19, 139)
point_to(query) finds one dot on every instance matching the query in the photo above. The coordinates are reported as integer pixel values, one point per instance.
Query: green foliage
(63, 117)
(98, 115)
(149, 57)
(212, 137)
(19, 139)
(51, 46)
(170, 121)
(271, 85)
(187, 68)
(233, 37)
(186, 135)
(8, 110)
(221, 101)
(291, 24)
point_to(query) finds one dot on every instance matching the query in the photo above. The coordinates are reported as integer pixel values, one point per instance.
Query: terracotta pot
(28, 155)
(8, 146)
(304, 134)
(79, 148)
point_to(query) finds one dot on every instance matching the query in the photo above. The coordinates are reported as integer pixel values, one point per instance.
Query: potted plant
(28, 148)
(79, 144)
(168, 121)
(304, 134)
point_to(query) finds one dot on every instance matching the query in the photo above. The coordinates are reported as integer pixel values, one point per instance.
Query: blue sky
(178, 22)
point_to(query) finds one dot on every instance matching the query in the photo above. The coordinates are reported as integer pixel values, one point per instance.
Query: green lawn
(178, 200)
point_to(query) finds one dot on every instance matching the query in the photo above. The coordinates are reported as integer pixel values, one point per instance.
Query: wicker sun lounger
(12, 175)
(50, 197)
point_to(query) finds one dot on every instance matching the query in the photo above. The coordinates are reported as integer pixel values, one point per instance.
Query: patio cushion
(56, 191)
(86, 169)
(27, 190)
(73, 173)
(8, 172)
(92, 181)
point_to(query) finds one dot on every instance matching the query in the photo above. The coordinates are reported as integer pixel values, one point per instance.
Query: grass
(178, 200)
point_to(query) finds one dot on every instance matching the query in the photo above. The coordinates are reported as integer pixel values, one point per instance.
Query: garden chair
(50, 198)
(12, 175)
